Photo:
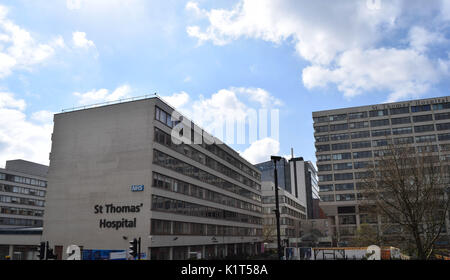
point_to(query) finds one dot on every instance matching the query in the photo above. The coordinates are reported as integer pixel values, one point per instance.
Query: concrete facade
(115, 176)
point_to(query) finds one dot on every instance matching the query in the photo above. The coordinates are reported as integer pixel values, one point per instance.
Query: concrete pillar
(203, 252)
(171, 253)
(11, 252)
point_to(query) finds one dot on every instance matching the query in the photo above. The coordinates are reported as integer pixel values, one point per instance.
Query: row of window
(23, 180)
(187, 150)
(395, 131)
(166, 119)
(21, 211)
(174, 185)
(164, 227)
(165, 204)
(20, 222)
(338, 197)
(21, 200)
(282, 199)
(376, 123)
(344, 166)
(285, 211)
(21, 190)
(383, 112)
(183, 168)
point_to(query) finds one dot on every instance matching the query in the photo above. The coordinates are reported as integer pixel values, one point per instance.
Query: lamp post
(275, 159)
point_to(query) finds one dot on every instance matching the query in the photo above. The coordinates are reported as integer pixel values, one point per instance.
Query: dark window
(420, 108)
(324, 167)
(381, 142)
(379, 122)
(323, 157)
(401, 120)
(359, 115)
(378, 113)
(319, 129)
(343, 176)
(361, 164)
(338, 117)
(382, 132)
(337, 127)
(442, 116)
(360, 134)
(441, 106)
(346, 209)
(324, 138)
(344, 187)
(443, 137)
(325, 177)
(340, 146)
(321, 119)
(356, 125)
(322, 148)
(363, 154)
(338, 137)
(425, 138)
(424, 128)
(326, 188)
(402, 110)
(443, 126)
(404, 140)
(342, 166)
(342, 156)
(423, 118)
(402, 130)
(361, 144)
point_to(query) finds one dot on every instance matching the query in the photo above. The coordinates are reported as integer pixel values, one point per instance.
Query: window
(323, 157)
(327, 198)
(322, 148)
(342, 166)
(360, 134)
(324, 138)
(338, 117)
(425, 138)
(324, 167)
(319, 129)
(404, 140)
(401, 110)
(340, 146)
(383, 122)
(345, 197)
(361, 144)
(442, 116)
(344, 187)
(361, 164)
(321, 119)
(444, 137)
(361, 175)
(363, 154)
(346, 209)
(343, 176)
(356, 125)
(326, 188)
(358, 115)
(423, 118)
(403, 120)
(441, 106)
(342, 156)
(381, 142)
(382, 132)
(337, 127)
(420, 108)
(378, 113)
(424, 128)
(402, 130)
(326, 178)
(443, 126)
(339, 137)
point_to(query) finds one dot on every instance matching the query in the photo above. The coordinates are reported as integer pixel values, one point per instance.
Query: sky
(215, 61)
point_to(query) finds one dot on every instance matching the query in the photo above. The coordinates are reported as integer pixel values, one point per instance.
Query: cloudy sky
(215, 59)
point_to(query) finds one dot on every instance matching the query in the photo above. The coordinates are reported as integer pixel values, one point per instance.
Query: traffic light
(50, 255)
(41, 251)
(134, 248)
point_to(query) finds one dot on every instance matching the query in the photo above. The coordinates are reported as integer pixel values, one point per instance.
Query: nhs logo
(137, 188)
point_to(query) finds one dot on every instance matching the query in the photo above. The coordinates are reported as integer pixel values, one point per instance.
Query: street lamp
(275, 159)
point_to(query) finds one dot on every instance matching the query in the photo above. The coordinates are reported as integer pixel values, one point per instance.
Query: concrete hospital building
(115, 174)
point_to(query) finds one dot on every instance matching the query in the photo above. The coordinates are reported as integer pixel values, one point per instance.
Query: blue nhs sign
(137, 188)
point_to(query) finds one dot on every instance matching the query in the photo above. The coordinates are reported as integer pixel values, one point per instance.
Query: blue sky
(220, 58)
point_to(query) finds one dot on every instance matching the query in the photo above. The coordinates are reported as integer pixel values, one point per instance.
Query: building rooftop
(27, 167)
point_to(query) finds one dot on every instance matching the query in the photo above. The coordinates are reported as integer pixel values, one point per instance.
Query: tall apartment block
(23, 187)
(348, 139)
(116, 174)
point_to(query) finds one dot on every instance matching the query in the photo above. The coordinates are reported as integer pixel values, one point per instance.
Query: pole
(139, 249)
(277, 208)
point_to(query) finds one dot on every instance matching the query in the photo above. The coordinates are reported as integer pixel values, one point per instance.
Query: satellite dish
(373, 252)
(73, 253)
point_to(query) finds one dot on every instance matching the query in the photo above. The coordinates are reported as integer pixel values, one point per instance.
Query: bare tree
(410, 191)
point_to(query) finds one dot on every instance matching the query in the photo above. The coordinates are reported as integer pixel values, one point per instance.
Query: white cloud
(43, 116)
(403, 73)
(103, 95)
(20, 138)
(261, 150)
(18, 49)
(80, 40)
(345, 42)
(177, 100)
